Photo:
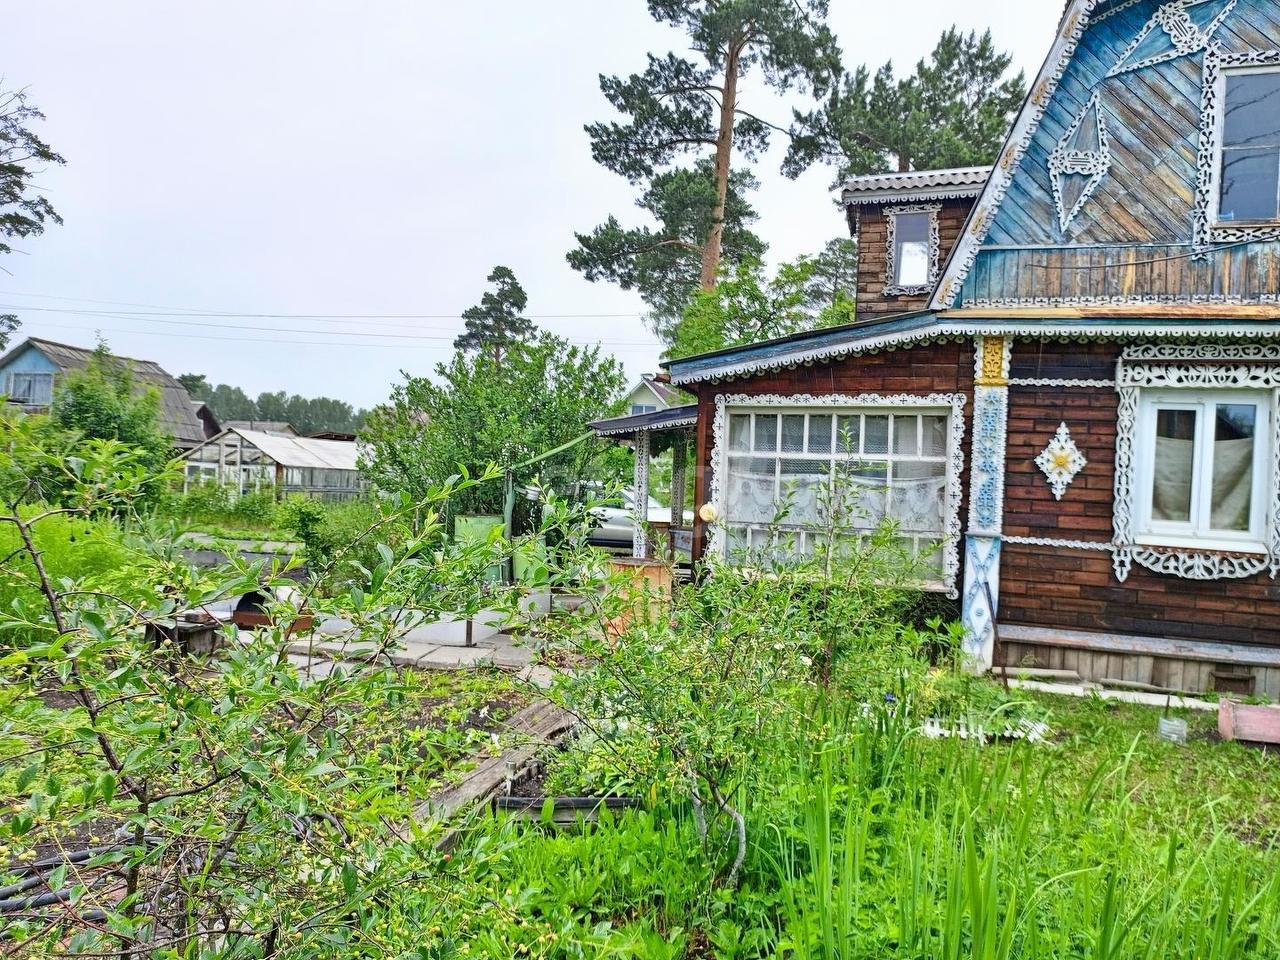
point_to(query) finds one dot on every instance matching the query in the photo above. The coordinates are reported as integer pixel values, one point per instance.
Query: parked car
(617, 525)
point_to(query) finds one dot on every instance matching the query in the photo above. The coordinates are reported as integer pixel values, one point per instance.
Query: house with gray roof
(29, 374)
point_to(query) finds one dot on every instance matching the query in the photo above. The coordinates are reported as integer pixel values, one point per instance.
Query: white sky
(323, 157)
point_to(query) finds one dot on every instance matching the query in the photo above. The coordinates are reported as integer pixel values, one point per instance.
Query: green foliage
(499, 317)
(954, 111)
(746, 306)
(476, 411)
(307, 415)
(24, 210)
(104, 402)
(680, 109)
(663, 261)
(330, 534)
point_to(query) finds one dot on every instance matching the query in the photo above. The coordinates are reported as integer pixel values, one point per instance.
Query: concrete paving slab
(454, 658)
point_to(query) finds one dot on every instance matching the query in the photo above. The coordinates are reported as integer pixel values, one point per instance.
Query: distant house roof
(178, 417)
(296, 451)
(915, 185)
(266, 426)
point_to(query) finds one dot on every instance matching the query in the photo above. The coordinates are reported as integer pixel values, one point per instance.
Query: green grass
(868, 841)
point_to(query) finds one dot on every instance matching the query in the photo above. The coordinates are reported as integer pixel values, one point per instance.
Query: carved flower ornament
(1060, 461)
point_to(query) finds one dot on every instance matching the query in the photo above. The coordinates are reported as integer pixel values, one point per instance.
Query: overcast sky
(344, 158)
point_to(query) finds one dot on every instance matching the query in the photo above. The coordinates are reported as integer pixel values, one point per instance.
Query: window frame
(1207, 228)
(1220, 149)
(1195, 532)
(1189, 370)
(43, 375)
(949, 405)
(643, 408)
(892, 288)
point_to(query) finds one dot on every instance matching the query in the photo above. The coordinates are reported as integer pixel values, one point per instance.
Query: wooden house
(1066, 370)
(31, 371)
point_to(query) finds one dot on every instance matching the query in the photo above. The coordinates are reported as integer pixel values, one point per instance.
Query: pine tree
(954, 111)
(23, 156)
(498, 320)
(682, 107)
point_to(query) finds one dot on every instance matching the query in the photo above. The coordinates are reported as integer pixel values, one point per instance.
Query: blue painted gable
(1109, 196)
(24, 359)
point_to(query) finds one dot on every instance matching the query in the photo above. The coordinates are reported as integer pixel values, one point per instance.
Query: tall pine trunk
(724, 148)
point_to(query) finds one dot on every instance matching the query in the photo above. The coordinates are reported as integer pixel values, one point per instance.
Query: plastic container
(1173, 729)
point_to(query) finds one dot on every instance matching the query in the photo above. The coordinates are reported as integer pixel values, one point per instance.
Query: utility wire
(198, 312)
(294, 342)
(327, 333)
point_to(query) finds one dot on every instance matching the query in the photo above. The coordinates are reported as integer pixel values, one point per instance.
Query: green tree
(498, 319)
(679, 107)
(747, 306)
(24, 209)
(953, 111)
(835, 275)
(105, 402)
(663, 262)
(196, 384)
(476, 411)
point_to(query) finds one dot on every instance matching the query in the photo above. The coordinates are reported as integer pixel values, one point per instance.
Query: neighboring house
(29, 374)
(1065, 373)
(651, 395)
(248, 460)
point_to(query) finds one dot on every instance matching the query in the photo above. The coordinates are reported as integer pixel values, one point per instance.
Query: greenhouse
(252, 460)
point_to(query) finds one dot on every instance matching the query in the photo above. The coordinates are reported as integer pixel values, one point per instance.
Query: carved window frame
(891, 287)
(1206, 228)
(952, 404)
(1193, 367)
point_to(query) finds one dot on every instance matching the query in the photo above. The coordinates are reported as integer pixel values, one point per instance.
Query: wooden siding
(873, 255)
(933, 368)
(1147, 196)
(1077, 589)
(1249, 273)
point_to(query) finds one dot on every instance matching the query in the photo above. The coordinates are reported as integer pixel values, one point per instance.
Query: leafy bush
(332, 535)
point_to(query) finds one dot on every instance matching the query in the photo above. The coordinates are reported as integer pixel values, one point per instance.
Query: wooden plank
(1121, 643)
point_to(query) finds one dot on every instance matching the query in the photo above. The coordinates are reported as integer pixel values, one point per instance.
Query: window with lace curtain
(1203, 469)
(788, 470)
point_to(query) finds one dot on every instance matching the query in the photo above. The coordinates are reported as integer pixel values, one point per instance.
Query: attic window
(911, 258)
(1250, 173)
(31, 388)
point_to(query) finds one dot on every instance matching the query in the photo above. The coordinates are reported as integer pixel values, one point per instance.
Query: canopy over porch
(649, 433)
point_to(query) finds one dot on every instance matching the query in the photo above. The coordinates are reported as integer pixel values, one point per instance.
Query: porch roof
(625, 428)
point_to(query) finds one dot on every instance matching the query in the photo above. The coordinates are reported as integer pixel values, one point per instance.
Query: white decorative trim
(1184, 36)
(1191, 565)
(1108, 14)
(1215, 365)
(1074, 22)
(909, 194)
(1072, 331)
(665, 425)
(1053, 382)
(640, 494)
(1154, 299)
(986, 478)
(1068, 160)
(1060, 461)
(1100, 545)
(955, 402)
(892, 289)
(1205, 231)
(981, 599)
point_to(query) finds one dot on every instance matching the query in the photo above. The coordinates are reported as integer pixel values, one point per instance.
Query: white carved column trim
(980, 603)
(640, 489)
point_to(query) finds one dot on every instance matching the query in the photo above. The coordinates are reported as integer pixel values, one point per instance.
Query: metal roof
(915, 185)
(629, 426)
(177, 416)
(297, 451)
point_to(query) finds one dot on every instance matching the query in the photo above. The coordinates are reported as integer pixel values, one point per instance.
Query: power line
(294, 342)
(256, 327)
(164, 311)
